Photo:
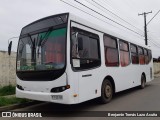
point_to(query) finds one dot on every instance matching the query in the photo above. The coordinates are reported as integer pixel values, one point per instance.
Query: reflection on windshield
(43, 51)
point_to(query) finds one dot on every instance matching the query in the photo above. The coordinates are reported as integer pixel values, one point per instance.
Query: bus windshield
(42, 51)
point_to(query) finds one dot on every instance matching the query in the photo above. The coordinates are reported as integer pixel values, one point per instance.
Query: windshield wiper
(61, 19)
(33, 48)
(43, 41)
(40, 43)
(30, 38)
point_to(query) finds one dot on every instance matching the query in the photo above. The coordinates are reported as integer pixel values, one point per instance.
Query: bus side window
(141, 56)
(146, 56)
(134, 54)
(124, 53)
(111, 51)
(85, 49)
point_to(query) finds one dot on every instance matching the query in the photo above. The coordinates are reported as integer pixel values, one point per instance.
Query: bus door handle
(88, 75)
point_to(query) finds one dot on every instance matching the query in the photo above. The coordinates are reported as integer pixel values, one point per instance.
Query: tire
(106, 92)
(143, 82)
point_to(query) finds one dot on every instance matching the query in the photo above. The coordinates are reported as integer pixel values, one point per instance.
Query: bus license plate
(57, 97)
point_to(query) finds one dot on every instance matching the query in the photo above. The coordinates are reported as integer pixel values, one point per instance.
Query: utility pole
(145, 26)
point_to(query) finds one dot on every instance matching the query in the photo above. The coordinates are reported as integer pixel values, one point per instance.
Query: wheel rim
(108, 91)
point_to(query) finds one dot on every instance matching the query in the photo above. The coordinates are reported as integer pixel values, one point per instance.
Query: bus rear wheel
(143, 82)
(106, 92)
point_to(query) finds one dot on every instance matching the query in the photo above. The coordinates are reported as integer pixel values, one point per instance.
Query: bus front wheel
(106, 92)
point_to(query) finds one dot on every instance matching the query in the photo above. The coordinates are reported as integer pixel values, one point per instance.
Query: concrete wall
(156, 68)
(7, 68)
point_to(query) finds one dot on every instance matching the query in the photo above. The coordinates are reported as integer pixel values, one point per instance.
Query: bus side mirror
(9, 48)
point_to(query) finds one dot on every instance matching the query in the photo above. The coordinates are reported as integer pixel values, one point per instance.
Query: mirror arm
(9, 48)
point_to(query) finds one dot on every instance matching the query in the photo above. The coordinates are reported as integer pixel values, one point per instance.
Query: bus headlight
(60, 89)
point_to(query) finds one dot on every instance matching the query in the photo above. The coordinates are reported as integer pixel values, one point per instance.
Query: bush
(4, 101)
(7, 90)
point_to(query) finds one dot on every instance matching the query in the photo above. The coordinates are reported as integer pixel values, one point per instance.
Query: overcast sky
(15, 14)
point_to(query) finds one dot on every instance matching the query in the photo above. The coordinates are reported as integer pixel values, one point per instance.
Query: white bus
(65, 59)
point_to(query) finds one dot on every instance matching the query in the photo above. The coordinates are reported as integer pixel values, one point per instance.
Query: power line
(152, 36)
(154, 43)
(91, 14)
(108, 18)
(116, 8)
(153, 17)
(86, 12)
(96, 6)
(97, 18)
(157, 44)
(114, 14)
(101, 19)
(12, 38)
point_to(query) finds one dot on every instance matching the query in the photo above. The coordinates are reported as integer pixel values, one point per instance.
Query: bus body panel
(85, 84)
(41, 96)
(42, 86)
(88, 80)
(42, 90)
(124, 77)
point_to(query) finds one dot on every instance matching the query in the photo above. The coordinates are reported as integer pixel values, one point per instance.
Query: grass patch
(7, 90)
(4, 101)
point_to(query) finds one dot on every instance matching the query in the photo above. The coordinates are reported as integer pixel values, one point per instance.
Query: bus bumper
(66, 97)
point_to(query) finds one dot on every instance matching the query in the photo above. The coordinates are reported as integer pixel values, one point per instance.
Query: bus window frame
(117, 48)
(99, 48)
(125, 51)
(131, 44)
(140, 54)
